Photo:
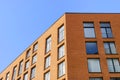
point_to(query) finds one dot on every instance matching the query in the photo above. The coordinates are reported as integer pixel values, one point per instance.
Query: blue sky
(23, 21)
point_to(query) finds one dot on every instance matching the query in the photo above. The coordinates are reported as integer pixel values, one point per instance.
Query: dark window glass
(115, 78)
(91, 48)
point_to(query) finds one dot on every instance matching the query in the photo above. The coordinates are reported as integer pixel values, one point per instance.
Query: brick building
(78, 46)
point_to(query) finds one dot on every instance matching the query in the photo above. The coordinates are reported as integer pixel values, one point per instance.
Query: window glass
(48, 44)
(47, 62)
(61, 68)
(47, 76)
(61, 51)
(61, 33)
(91, 48)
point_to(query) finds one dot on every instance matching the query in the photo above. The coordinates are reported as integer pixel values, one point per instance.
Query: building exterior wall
(76, 58)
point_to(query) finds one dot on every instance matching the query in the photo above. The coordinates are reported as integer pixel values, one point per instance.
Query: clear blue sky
(23, 21)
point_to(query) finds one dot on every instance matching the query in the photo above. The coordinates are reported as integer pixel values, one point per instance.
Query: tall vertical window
(14, 73)
(95, 79)
(47, 76)
(47, 62)
(94, 65)
(7, 76)
(20, 68)
(35, 47)
(48, 44)
(91, 48)
(115, 78)
(34, 59)
(27, 65)
(61, 33)
(33, 70)
(113, 65)
(25, 76)
(106, 30)
(89, 31)
(61, 69)
(28, 53)
(61, 51)
(110, 48)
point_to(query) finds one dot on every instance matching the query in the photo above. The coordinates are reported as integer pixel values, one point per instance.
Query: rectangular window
(25, 76)
(115, 78)
(61, 33)
(20, 68)
(33, 70)
(89, 31)
(110, 48)
(61, 69)
(48, 44)
(27, 65)
(94, 65)
(7, 76)
(28, 54)
(106, 30)
(95, 79)
(14, 73)
(113, 65)
(34, 59)
(35, 47)
(61, 51)
(47, 76)
(47, 62)
(91, 48)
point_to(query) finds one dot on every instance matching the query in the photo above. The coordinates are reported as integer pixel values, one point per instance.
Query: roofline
(92, 13)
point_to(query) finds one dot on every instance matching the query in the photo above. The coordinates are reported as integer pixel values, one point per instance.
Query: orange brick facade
(75, 58)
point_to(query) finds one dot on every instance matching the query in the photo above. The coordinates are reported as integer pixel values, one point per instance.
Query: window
(95, 79)
(110, 48)
(20, 67)
(94, 65)
(35, 47)
(27, 65)
(89, 30)
(61, 33)
(7, 76)
(26, 76)
(33, 70)
(115, 78)
(47, 62)
(91, 48)
(14, 73)
(106, 30)
(19, 79)
(47, 76)
(61, 51)
(113, 65)
(28, 54)
(34, 59)
(48, 44)
(61, 69)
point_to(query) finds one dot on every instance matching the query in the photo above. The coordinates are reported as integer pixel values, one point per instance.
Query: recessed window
(106, 30)
(91, 48)
(61, 69)
(33, 71)
(61, 51)
(61, 33)
(27, 65)
(110, 48)
(34, 59)
(95, 79)
(113, 65)
(47, 76)
(94, 65)
(115, 78)
(14, 73)
(20, 68)
(25, 76)
(47, 62)
(7, 76)
(35, 47)
(28, 54)
(89, 31)
(48, 44)
(19, 79)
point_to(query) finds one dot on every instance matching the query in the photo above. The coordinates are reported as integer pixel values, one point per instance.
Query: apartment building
(78, 46)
